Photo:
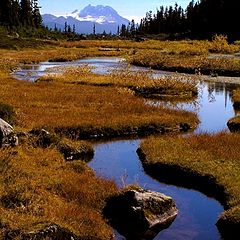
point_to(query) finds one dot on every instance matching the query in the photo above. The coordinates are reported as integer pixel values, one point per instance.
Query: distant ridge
(105, 19)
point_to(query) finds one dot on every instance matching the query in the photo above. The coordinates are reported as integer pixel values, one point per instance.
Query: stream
(118, 160)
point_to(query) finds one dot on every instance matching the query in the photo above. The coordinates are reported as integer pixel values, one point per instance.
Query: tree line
(201, 19)
(17, 14)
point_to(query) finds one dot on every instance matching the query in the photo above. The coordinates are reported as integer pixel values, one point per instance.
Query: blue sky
(126, 8)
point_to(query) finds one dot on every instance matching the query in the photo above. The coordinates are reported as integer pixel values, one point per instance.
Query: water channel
(118, 160)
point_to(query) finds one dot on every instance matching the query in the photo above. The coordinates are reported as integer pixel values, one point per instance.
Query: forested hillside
(201, 19)
(17, 14)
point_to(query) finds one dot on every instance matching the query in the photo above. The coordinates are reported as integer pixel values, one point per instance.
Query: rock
(76, 151)
(140, 214)
(43, 138)
(52, 231)
(234, 124)
(7, 135)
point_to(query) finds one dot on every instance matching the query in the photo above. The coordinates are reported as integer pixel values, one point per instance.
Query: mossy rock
(43, 138)
(76, 150)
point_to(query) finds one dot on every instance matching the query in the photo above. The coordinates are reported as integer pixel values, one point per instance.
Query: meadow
(39, 188)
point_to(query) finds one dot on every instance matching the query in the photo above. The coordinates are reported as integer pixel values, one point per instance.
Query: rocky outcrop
(140, 214)
(7, 135)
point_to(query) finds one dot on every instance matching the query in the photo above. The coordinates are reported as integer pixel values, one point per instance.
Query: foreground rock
(7, 135)
(140, 214)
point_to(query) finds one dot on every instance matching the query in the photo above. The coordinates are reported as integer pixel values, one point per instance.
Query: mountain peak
(105, 18)
(97, 11)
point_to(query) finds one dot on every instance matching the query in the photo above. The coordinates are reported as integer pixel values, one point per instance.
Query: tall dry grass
(63, 105)
(140, 82)
(38, 187)
(200, 64)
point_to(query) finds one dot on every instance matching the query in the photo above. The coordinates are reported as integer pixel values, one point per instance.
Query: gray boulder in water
(140, 214)
(7, 135)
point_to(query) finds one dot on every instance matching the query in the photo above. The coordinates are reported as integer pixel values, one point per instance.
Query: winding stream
(118, 160)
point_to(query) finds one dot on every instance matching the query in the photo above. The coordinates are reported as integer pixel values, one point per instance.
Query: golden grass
(217, 157)
(10, 59)
(200, 64)
(236, 98)
(138, 81)
(57, 105)
(37, 186)
(218, 44)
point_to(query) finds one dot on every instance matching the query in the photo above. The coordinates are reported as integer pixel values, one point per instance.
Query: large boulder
(140, 214)
(7, 135)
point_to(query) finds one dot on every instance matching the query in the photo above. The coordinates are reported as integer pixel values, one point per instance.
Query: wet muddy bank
(107, 133)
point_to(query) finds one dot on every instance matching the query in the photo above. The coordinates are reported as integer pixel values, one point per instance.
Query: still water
(118, 160)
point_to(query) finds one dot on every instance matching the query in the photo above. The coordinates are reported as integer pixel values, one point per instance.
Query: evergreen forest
(200, 20)
(16, 14)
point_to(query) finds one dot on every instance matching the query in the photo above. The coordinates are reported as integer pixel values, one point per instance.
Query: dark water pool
(197, 213)
(118, 160)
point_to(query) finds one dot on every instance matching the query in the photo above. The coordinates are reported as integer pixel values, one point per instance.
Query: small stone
(7, 135)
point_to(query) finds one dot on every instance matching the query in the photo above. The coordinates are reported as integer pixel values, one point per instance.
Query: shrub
(220, 45)
(7, 113)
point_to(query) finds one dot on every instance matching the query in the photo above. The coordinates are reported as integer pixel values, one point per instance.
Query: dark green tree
(26, 14)
(37, 18)
(5, 12)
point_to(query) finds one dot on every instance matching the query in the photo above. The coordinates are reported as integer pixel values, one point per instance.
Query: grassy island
(209, 163)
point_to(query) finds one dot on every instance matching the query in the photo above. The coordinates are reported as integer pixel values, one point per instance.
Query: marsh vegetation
(38, 185)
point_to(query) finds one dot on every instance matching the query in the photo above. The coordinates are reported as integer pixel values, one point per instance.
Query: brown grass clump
(207, 162)
(221, 45)
(37, 186)
(140, 82)
(236, 98)
(202, 64)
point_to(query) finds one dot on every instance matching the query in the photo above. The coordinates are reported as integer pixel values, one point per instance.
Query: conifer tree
(5, 15)
(37, 18)
(26, 14)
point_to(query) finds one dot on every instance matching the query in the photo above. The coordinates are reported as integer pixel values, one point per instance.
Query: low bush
(7, 113)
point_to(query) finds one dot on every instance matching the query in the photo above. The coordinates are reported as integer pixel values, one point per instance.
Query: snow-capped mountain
(105, 19)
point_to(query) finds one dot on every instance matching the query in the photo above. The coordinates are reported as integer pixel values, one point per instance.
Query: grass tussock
(139, 82)
(214, 158)
(38, 187)
(200, 64)
(236, 98)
